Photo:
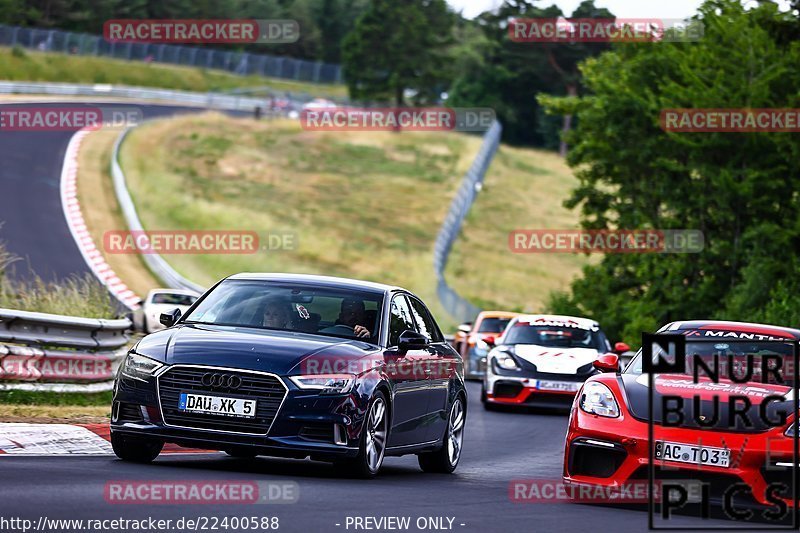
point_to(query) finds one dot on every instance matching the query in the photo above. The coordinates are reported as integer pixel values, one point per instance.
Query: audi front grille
(267, 389)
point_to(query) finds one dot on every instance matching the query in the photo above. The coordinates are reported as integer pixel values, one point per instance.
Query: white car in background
(320, 103)
(162, 300)
(542, 360)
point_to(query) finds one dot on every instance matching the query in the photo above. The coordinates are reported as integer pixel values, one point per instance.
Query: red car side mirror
(489, 340)
(608, 362)
(620, 348)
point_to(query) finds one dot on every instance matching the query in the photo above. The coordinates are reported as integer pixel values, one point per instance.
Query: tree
(737, 188)
(398, 46)
(513, 73)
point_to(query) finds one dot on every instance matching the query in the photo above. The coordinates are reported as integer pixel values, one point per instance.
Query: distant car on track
(470, 340)
(608, 440)
(542, 360)
(162, 300)
(296, 366)
(319, 103)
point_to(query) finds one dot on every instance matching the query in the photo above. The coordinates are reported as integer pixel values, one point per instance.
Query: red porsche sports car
(744, 446)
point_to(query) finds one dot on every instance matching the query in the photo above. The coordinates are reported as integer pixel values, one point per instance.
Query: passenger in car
(277, 314)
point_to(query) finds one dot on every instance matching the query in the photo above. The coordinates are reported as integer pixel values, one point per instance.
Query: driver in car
(354, 315)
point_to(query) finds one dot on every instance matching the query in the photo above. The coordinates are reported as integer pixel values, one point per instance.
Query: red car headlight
(598, 399)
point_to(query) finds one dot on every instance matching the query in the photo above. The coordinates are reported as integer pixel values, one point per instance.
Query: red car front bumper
(612, 452)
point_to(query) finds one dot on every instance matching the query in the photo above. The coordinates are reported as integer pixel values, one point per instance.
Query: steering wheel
(339, 327)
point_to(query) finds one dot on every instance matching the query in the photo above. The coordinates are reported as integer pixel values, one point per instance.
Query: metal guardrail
(458, 307)
(42, 329)
(239, 63)
(207, 100)
(154, 261)
(57, 352)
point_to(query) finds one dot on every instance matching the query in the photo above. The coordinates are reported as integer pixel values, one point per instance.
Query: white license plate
(567, 386)
(217, 405)
(689, 453)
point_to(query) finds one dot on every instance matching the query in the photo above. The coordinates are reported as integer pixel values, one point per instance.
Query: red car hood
(716, 402)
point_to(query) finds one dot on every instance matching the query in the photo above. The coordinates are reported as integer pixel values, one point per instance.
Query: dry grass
(524, 189)
(362, 204)
(55, 414)
(27, 65)
(101, 211)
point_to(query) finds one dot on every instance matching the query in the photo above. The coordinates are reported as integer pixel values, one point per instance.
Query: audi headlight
(139, 367)
(326, 383)
(790, 431)
(504, 360)
(598, 399)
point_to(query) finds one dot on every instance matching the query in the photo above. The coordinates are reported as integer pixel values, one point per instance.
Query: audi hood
(278, 352)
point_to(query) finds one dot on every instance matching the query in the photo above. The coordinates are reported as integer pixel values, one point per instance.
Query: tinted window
(399, 319)
(493, 325)
(425, 323)
(174, 299)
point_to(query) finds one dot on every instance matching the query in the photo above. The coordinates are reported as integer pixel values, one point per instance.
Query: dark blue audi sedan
(297, 366)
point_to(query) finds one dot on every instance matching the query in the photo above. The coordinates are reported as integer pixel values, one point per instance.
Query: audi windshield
(298, 308)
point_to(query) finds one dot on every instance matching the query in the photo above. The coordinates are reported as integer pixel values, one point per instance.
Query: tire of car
(135, 449)
(372, 447)
(445, 459)
(489, 406)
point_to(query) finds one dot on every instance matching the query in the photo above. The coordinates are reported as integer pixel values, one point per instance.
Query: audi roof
(310, 279)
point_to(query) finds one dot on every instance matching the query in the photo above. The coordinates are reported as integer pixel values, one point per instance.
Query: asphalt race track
(32, 224)
(498, 448)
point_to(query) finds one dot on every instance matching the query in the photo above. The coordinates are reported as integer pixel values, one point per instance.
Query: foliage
(323, 23)
(398, 46)
(734, 187)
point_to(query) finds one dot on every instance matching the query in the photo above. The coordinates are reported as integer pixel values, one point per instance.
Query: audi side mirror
(608, 362)
(620, 348)
(490, 340)
(170, 318)
(411, 340)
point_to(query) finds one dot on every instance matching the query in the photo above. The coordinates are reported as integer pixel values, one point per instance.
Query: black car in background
(296, 366)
